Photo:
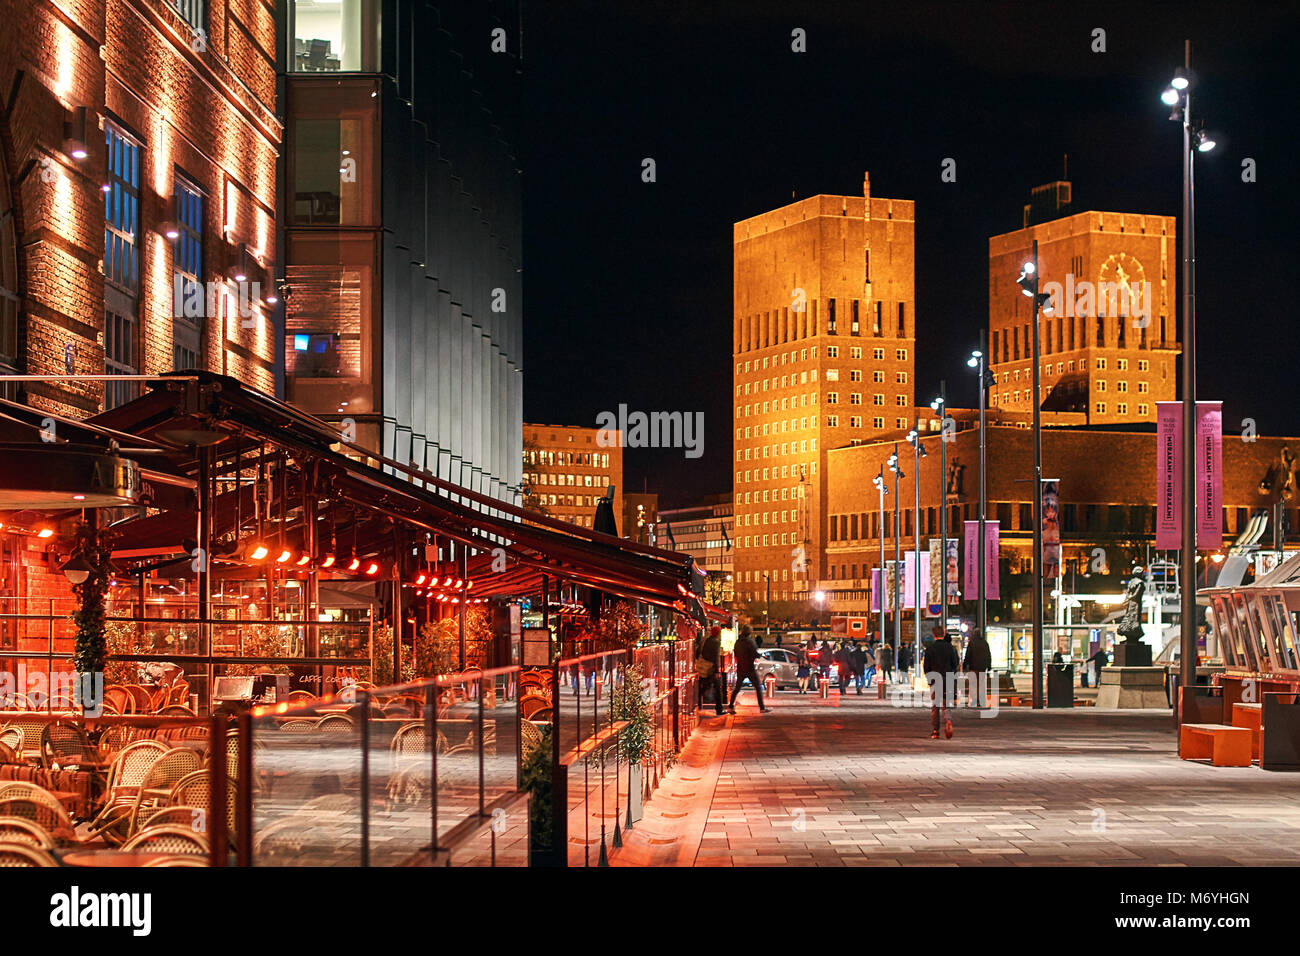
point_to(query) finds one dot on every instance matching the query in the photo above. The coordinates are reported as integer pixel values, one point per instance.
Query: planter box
(1279, 745)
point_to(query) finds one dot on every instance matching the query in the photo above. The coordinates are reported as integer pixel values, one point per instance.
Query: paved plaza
(859, 782)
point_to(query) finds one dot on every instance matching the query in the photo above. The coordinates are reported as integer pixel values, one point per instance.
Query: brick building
(1109, 348)
(566, 472)
(138, 146)
(1107, 498)
(824, 352)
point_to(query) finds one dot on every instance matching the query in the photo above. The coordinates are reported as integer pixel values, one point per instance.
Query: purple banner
(1051, 530)
(991, 589)
(1209, 474)
(1169, 485)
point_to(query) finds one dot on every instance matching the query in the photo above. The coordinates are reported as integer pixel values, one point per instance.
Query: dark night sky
(627, 285)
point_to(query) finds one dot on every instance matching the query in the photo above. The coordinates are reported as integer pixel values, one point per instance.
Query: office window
(855, 421)
(1144, 410)
(900, 354)
(119, 358)
(832, 398)
(1121, 408)
(832, 421)
(1144, 387)
(1121, 386)
(1101, 408)
(900, 378)
(877, 422)
(902, 320)
(832, 351)
(900, 401)
(855, 352)
(878, 399)
(878, 376)
(830, 316)
(854, 327)
(330, 37)
(855, 375)
(1122, 364)
(122, 210)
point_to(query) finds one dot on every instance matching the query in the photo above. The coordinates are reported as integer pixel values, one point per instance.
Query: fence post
(364, 699)
(559, 782)
(244, 790)
(431, 742)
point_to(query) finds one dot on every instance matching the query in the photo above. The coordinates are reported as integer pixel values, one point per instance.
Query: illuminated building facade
(824, 342)
(705, 531)
(401, 204)
(138, 144)
(567, 471)
(1109, 349)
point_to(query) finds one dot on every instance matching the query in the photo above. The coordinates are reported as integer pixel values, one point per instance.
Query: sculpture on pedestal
(1130, 625)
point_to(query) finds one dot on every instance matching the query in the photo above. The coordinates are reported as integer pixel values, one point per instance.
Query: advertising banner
(1169, 485)
(1051, 530)
(1209, 474)
(971, 586)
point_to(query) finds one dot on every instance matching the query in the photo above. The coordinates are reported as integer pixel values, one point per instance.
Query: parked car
(782, 662)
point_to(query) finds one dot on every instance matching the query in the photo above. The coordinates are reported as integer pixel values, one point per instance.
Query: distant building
(824, 343)
(566, 472)
(705, 531)
(640, 513)
(1110, 348)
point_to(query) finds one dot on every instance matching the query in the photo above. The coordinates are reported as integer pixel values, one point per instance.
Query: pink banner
(1051, 529)
(1209, 474)
(1169, 484)
(971, 538)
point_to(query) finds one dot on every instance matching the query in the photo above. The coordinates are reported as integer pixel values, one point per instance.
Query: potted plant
(536, 777)
(90, 649)
(634, 740)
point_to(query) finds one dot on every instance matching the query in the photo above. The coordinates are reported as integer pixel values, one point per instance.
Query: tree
(90, 649)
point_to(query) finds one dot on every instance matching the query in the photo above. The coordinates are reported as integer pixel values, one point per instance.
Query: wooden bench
(1250, 716)
(1222, 745)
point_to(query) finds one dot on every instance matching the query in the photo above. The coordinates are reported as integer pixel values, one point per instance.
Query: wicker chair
(176, 710)
(168, 840)
(125, 775)
(298, 725)
(22, 830)
(335, 724)
(7, 754)
(195, 791)
(12, 738)
(299, 697)
(141, 697)
(34, 803)
(179, 694)
(119, 699)
(530, 736)
(196, 818)
(31, 729)
(163, 774)
(23, 854)
(64, 744)
(530, 704)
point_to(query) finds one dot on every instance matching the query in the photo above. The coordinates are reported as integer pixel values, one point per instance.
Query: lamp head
(1181, 80)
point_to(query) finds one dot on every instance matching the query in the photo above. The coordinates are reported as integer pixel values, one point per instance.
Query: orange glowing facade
(1109, 349)
(824, 343)
(567, 470)
(138, 150)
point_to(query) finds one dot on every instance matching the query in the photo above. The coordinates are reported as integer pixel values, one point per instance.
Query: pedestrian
(1098, 661)
(708, 664)
(940, 666)
(869, 668)
(844, 663)
(746, 652)
(805, 671)
(825, 657)
(904, 660)
(858, 657)
(885, 662)
(978, 663)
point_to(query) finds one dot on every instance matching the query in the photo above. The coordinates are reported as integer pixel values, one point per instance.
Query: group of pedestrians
(708, 665)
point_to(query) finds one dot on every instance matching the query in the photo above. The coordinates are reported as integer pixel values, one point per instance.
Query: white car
(781, 662)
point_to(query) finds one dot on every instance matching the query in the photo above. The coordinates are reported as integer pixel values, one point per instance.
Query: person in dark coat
(977, 665)
(885, 661)
(858, 658)
(711, 651)
(844, 662)
(746, 653)
(940, 666)
(904, 659)
(1098, 660)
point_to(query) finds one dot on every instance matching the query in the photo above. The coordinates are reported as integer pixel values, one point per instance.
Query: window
(832, 351)
(8, 277)
(900, 401)
(900, 378)
(855, 421)
(1101, 408)
(1121, 408)
(878, 376)
(193, 12)
(855, 352)
(900, 422)
(119, 357)
(1122, 365)
(902, 320)
(1143, 365)
(878, 399)
(1101, 385)
(900, 354)
(335, 36)
(1144, 410)
(832, 398)
(878, 354)
(830, 316)
(122, 210)
(1121, 386)
(855, 398)
(1144, 387)
(877, 422)
(187, 260)
(832, 375)
(1101, 364)
(855, 375)
(853, 327)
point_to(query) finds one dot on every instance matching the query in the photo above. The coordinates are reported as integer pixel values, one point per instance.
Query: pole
(1187, 637)
(943, 505)
(1038, 502)
(767, 608)
(897, 605)
(881, 596)
(916, 540)
(981, 612)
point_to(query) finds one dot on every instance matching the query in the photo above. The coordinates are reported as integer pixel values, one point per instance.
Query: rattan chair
(31, 728)
(64, 744)
(22, 830)
(196, 818)
(195, 791)
(125, 775)
(299, 725)
(530, 736)
(187, 859)
(23, 854)
(298, 697)
(7, 754)
(168, 840)
(541, 715)
(179, 694)
(176, 710)
(530, 704)
(335, 724)
(35, 803)
(163, 774)
(12, 738)
(141, 697)
(119, 699)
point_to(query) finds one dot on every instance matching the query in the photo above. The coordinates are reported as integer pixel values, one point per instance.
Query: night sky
(627, 285)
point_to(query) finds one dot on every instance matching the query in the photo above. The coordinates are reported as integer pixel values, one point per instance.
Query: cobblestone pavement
(858, 782)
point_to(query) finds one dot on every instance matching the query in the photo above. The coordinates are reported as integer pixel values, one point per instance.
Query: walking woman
(805, 671)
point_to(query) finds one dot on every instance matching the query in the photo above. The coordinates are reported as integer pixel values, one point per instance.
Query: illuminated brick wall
(201, 105)
(568, 471)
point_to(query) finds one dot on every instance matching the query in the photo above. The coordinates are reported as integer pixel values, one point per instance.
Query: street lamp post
(879, 482)
(1028, 282)
(895, 598)
(940, 405)
(1178, 97)
(918, 452)
(976, 361)
(767, 608)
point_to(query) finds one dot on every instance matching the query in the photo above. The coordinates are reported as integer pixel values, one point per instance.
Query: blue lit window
(122, 210)
(187, 260)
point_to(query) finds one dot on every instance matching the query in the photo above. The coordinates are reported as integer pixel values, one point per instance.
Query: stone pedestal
(1124, 688)
(1132, 654)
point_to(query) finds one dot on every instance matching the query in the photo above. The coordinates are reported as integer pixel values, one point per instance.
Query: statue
(1280, 481)
(1130, 625)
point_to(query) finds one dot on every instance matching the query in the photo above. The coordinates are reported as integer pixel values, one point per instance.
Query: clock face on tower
(1120, 271)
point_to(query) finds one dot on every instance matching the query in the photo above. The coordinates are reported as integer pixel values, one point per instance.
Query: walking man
(708, 664)
(885, 662)
(940, 666)
(978, 663)
(746, 652)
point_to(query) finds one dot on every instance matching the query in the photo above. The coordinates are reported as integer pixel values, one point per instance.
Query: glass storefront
(333, 36)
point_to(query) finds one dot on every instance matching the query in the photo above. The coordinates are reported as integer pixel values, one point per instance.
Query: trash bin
(1060, 685)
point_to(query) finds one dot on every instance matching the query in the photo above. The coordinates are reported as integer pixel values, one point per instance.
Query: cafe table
(105, 856)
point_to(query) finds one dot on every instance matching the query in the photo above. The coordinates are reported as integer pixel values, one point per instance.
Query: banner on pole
(1051, 529)
(1169, 485)
(1209, 474)
(991, 589)
(954, 581)
(943, 563)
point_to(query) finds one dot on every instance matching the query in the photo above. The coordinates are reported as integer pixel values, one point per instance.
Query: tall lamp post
(1178, 97)
(918, 452)
(879, 482)
(767, 608)
(976, 361)
(895, 598)
(1028, 282)
(940, 405)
